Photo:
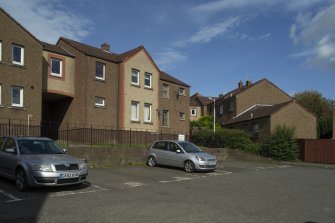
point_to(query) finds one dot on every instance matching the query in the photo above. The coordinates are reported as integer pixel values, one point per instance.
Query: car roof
(27, 137)
(171, 140)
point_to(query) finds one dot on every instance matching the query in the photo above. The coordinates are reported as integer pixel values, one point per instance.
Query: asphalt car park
(235, 192)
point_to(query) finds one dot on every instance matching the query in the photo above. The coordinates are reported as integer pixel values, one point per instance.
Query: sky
(209, 44)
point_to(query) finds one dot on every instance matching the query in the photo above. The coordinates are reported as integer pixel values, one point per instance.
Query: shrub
(281, 145)
(223, 138)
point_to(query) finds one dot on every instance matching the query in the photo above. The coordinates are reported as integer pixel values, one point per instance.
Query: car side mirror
(10, 150)
(64, 150)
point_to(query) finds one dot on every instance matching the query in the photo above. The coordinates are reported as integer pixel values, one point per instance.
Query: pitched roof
(258, 111)
(166, 77)
(1, 9)
(244, 88)
(55, 49)
(99, 53)
(198, 100)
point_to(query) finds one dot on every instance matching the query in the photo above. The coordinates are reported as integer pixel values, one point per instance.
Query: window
(221, 109)
(99, 101)
(56, 67)
(165, 118)
(161, 145)
(0, 50)
(147, 112)
(100, 71)
(134, 111)
(231, 106)
(135, 76)
(17, 96)
(165, 91)
(255, 130)
(193, 112)
(17, 55)
(182, 91)
(147, 80)
(181, 116)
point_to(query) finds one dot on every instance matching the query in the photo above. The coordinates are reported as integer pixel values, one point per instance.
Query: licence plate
(69, 175)
(212, 163)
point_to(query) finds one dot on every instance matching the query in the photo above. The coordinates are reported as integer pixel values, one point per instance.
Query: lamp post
(213, 114)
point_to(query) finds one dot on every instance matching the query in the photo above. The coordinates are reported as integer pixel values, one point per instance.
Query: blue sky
(211, 45)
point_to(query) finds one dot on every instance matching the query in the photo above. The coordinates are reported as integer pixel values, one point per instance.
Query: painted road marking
(67, 193)
(272, 167)
(134, 184)
(12, 197)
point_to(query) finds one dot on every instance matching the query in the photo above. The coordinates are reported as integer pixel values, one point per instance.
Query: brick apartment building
(72, 82)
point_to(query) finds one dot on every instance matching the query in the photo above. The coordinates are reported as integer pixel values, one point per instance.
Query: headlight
(199, 158)
(43, 167)
(82, 166)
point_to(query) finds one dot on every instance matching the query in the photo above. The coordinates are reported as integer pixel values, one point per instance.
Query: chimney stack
(248, 83)
(240, 85)
(105, 47)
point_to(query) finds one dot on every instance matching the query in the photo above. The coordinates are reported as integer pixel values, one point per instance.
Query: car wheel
(21, 180)
(189, 166)
(152, 161)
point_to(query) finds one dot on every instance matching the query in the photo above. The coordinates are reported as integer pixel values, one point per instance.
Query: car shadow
(182, 169)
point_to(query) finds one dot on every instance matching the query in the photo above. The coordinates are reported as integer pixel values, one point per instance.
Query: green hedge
(281, 145)
(224, 138)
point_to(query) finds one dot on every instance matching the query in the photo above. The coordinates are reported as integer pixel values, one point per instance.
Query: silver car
(36, 161)
(180, 154)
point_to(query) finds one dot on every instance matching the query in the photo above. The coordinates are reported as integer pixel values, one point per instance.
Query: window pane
(17, 54)
(56, 66)
(147, 80)
(181, 91)
(134, 111)
(165, 118)
(99, 101)
(165, 91)
(134, 76)
(17, 94)
(100, 71)
(147, 112)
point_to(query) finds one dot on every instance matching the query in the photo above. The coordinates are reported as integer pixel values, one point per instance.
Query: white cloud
(47, 19)
(207, 33)
(168, 58)
(316, 32)
(265, 36)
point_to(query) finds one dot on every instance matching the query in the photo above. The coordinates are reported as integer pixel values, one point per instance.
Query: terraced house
(260, 107)
(72, 82)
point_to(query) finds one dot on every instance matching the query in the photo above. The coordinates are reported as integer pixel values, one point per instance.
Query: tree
(205, 122)
(321, 107)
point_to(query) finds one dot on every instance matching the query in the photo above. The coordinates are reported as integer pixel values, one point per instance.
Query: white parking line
(134, 184)
(67, 193)
(272, 167)
(12, 197)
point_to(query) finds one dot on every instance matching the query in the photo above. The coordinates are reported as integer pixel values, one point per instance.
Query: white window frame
(150, 79)
(12, 96)
(97, 103)
(133, 118)
(167, 91)
(182, 116)
(255, 129)
(147, 108)
(193, 112)
(60, 67)
(167, 118)
(22, 55)
(135, 72)
(103, 71)
(0, 50)
(181, 91)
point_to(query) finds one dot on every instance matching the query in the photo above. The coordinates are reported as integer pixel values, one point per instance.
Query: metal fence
(75, 134)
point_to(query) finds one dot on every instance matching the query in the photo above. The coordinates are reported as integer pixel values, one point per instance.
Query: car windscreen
(190, 147)
(39, 147)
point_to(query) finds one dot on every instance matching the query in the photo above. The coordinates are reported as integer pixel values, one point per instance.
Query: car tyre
(189, 166)
(21, 180)
(152, 162)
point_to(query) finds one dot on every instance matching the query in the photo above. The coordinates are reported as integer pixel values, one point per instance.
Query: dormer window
(56, 67)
